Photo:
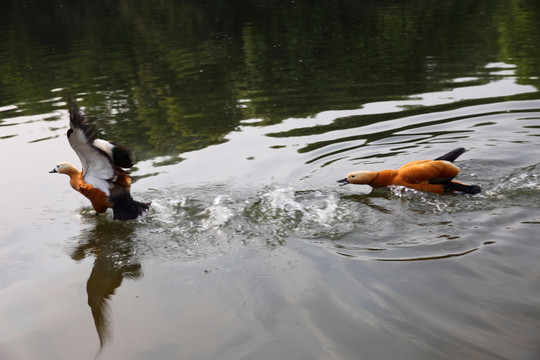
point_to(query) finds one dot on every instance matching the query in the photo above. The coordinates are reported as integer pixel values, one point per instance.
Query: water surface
(242, 117)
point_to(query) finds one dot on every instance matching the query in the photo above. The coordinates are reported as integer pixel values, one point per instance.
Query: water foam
(200, 223)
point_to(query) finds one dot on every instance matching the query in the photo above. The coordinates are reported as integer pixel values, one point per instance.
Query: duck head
(359, 177)
(64, 168)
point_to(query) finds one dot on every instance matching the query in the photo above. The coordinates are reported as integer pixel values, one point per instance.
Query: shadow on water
(115, 259)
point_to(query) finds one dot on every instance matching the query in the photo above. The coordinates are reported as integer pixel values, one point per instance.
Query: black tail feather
(452, 155)
(125, 208)
(468, 189)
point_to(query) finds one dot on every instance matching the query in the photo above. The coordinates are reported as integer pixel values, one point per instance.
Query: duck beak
(53, 171)
(343, 182)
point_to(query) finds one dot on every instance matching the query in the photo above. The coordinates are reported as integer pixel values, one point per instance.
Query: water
(242, 118)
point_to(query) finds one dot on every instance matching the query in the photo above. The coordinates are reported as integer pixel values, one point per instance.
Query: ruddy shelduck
(435, 176)
(102, 179)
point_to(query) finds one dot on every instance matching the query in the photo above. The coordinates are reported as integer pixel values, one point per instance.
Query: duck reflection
(110, 243)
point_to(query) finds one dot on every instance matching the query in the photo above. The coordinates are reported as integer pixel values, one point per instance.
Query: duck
(102, 179)
(433, 176)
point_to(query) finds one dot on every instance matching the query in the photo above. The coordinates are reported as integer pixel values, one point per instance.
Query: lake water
(242, 117)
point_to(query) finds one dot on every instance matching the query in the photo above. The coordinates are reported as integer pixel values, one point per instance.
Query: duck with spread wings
(103, 179)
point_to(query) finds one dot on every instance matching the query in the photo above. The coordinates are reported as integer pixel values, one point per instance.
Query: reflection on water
(242, 116)
(186, 83)
(115, 259)
(206, 213)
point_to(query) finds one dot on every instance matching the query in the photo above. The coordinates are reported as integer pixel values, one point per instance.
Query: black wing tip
(75, 115)
(452, 155)
(73, 108)
(78, 120)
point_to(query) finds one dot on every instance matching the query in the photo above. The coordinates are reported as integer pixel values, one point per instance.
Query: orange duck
(434, 176)
(102, 179)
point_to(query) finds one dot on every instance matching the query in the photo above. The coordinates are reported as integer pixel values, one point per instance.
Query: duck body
(435, 176)
(102, 179)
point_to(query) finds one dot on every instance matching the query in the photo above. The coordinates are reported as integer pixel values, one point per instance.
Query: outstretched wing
(98, 168)
(120, 155)
(428, 171)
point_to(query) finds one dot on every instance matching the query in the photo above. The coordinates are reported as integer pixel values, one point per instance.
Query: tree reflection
(183, 74)
(111, 245)
(519, 36)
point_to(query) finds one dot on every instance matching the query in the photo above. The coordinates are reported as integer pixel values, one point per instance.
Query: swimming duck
(425, 175)
(102, 179)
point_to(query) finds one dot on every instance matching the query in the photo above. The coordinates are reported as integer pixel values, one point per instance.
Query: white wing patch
(105, 146)
(97, 167)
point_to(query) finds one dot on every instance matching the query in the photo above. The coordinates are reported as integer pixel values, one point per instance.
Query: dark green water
(243, 114)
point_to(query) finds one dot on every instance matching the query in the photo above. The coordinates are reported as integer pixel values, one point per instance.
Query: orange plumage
(98, 198)
(102, 179)
(434, 176)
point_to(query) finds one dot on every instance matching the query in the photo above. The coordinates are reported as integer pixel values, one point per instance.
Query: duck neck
(384, 178)
(75, 177)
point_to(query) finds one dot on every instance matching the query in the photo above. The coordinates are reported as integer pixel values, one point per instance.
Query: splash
(395, 223)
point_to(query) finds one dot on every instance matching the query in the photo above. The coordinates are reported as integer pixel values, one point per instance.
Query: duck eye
(352, 176)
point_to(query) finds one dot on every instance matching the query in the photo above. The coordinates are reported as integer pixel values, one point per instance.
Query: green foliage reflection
(180, 75)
